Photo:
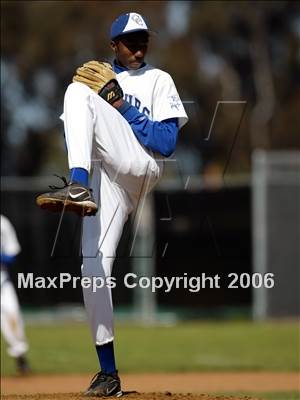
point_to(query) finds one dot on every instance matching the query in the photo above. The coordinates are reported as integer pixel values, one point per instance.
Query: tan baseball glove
(100, 77)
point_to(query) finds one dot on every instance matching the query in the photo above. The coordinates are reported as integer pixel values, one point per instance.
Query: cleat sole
(83, 208)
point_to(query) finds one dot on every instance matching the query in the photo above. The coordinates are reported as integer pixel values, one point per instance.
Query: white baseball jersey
(10, 245)
(153, 92)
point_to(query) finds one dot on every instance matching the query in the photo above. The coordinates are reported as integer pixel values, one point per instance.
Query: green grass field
(240, 346)
(205, 346)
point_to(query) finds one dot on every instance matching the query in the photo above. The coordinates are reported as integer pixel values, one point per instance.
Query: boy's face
(130, 49)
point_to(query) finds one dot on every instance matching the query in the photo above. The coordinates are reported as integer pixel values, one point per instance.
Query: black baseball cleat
(105, 385)
(73, 197)
(23, 367)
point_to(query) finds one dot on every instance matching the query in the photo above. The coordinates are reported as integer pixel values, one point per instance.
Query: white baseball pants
(100, 139)
(12, 325)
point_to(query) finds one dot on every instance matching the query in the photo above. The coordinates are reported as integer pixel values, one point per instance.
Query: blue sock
(79, 175)
(106, 357)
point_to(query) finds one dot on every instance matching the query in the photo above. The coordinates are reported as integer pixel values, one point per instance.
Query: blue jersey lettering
(137, 104)
(145, 111)
(133, 101)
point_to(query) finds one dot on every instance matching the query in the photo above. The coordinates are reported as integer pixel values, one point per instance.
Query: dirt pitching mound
(126, 395)
(194, 383)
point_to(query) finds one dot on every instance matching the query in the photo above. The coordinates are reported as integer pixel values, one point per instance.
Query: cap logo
(137, 19)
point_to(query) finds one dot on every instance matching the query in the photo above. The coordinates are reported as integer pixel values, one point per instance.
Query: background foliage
(215, 51)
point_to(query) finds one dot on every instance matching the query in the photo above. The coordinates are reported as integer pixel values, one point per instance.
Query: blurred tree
(214, 50)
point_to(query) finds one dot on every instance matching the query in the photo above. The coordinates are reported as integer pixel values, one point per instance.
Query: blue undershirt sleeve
(158, 136)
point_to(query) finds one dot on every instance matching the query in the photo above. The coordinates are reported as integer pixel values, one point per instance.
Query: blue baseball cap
(128, 23)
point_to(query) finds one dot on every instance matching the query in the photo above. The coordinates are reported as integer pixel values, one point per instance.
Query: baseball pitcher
(120, 122)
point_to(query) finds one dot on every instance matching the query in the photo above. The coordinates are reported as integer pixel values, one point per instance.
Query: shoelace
(66, 183)
(53, 187)
(99, 377)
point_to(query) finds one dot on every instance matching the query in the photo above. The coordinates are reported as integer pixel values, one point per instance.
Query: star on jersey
(175, 101)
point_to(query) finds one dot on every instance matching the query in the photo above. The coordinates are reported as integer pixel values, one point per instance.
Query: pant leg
(101, 235)
(98, 136)
(94, 129)
(12, 325)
